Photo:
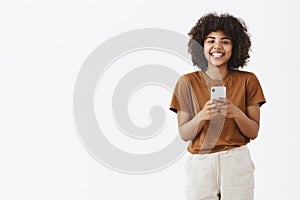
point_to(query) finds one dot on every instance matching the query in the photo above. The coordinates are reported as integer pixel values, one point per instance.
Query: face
(217, 49)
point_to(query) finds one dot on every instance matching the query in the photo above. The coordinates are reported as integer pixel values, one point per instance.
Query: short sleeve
(255, 93)
(181, 99)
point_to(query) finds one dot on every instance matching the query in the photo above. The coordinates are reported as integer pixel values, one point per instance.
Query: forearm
(247, 126)
(190, 129)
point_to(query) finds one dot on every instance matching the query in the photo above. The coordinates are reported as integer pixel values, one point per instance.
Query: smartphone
(217, 92)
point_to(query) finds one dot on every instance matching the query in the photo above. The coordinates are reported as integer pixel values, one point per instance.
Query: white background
(42, 47)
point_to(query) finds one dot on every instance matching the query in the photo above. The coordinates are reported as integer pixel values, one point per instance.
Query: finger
(212, 101)
(222, 107)
(220, 104)
(215, 110)
(212, 106)
(222, 100)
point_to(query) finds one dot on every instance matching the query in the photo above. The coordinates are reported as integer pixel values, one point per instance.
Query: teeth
(217, 54)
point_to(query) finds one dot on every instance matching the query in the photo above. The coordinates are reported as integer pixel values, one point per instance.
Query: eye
(226, 42)
(210, 41)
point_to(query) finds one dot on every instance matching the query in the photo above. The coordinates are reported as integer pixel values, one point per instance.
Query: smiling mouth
(217, 55)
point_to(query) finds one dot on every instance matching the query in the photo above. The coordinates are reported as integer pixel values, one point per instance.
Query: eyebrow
(223, 38)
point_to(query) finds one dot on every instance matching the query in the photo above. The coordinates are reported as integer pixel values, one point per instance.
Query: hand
(209, 110)
(227, 108)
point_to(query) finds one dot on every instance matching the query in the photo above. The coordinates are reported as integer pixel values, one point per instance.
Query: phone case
(218, 92)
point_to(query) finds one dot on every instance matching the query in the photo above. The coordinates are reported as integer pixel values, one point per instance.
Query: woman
(220, 166)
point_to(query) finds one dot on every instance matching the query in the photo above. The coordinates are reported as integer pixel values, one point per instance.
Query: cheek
(206, 55)
(229, 52)
(206, 51)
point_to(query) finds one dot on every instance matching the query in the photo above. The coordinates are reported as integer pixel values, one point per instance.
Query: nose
(217, 45)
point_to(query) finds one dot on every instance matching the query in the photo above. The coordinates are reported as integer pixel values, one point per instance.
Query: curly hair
(233, 27)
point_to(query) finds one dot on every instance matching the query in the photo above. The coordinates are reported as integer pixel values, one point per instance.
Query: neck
(217, 73)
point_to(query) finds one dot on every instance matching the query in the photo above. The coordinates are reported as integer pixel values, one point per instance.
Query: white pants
(225, 175)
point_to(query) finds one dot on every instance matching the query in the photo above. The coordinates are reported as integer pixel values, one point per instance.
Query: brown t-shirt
(192, 91)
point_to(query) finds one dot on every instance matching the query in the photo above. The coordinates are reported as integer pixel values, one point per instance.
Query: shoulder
(192, 76)
(244, 75)
(249, 79)
(193, 79)
(240, 73)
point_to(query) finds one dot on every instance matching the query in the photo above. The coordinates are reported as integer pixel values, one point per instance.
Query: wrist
(200, 117)
(240, 114)
(200, 120)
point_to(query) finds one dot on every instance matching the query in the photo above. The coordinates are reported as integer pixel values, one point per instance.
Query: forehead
(217, 34)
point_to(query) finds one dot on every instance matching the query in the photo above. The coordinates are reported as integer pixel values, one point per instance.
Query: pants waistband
(229, 151)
